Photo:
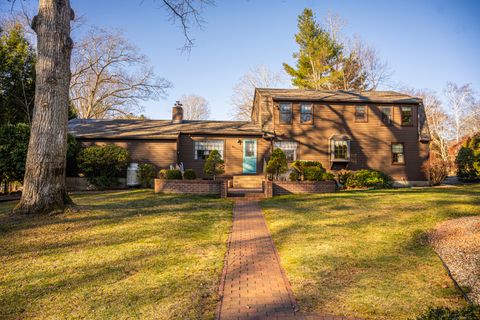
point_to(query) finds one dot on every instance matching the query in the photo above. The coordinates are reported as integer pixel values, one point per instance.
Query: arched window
(340, 148)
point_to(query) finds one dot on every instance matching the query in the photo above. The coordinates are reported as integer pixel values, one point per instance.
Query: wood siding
(370, 146)
(233, 153)
(161, 153)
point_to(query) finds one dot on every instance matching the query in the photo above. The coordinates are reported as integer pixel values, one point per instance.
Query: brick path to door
(254, 285)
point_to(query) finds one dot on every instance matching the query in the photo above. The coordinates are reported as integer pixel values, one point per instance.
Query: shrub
(343, 175)
(313, 174)
(299, 167)
(468, 160)
(146, 174)
(189, 174)
(102, 165)
(328, 176)
(277, 163)
(214, 164)
(442, 313)
(73, 148)
(369, 179)
(436, 171)
(170, 174)
(13, 151)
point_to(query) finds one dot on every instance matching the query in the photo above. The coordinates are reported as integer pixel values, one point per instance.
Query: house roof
(338, 96)
(156, 129)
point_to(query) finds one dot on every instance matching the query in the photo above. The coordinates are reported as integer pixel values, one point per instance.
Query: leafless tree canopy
(242, 97)
(188, 14)
(464, 109)
(110, 77)
(195, 107)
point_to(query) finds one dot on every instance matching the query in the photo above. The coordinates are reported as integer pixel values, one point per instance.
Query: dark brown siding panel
(161, 153)
(233, 153)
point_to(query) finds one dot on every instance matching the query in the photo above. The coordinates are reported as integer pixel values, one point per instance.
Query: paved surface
(254, 285)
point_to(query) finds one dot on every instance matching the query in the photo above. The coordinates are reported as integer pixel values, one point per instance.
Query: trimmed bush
(214, 164)
(189, 174)
(102, 165)
(146, 174)
(328, 176)
(307, 170)
(170, 174)
(442, 313)
(313, 174)
(468, 160)
(277, 164)
(368, 179)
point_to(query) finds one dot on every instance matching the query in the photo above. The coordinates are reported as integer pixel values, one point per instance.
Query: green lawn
(365, 253)
(125, 254)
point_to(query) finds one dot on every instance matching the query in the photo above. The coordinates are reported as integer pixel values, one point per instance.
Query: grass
(125, 254)
(365, 253)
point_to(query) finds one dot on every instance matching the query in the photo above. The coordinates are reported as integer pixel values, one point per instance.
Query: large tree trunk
(44, 184)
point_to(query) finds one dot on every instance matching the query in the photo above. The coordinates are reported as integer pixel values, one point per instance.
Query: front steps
(245, 193)
(248, 182)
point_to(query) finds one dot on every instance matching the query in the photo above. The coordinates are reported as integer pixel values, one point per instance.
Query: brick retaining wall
(276, 188)
(192, 186)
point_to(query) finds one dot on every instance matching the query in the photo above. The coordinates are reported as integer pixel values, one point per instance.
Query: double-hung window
(204, 147)
(340, 150)
(288, 147)
(360, 113)
(386, 114)
(285, 113)
(306, 113)
(398, 153)
(406, 116)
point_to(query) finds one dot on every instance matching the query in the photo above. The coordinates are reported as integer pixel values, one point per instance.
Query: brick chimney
(177, 113)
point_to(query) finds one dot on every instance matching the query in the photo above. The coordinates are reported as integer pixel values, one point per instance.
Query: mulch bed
(457, 242)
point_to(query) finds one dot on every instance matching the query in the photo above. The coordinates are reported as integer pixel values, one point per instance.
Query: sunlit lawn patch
(125, 254)
(364, 253)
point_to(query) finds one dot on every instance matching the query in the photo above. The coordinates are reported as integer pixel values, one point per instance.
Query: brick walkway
(254, 285)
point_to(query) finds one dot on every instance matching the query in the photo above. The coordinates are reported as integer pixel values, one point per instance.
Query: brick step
(246, 193)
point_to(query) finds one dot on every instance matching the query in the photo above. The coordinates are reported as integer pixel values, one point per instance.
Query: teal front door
(249, 156)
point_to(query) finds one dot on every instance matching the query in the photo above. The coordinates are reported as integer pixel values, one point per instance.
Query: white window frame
(287, 145)
(208, 145)
(333, 141)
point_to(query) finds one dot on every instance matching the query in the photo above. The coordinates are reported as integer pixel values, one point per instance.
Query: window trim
(311, 113)
(391, 116)
(280, 114)
(295, 151)
(332, 148)
(195, 156)
(401, 116)
(404, 156)
(366, 114)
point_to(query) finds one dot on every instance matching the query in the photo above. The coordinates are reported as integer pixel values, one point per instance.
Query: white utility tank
(132, 177)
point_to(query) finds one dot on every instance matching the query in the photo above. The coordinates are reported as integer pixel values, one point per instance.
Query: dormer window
(340, 148)
(285, 113)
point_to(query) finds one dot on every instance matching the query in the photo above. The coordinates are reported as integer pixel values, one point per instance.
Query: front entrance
(249, 156)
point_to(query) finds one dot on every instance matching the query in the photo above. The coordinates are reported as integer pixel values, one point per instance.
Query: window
(361, 113)
(285, 113)
(306, 113)
(288, 147)
(203, 148)
(406, 116)
(386, 115)
(398, 155)
(340, 148)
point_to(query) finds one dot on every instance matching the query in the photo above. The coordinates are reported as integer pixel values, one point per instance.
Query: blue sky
(426, 43)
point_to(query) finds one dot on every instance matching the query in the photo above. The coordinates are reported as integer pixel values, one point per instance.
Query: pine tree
(214, 164)
(319, 56)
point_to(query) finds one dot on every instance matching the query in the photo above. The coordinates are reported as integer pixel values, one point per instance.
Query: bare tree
(110, 77)
(195, 107)
(242, 97)
(44, 183)
(460, 102)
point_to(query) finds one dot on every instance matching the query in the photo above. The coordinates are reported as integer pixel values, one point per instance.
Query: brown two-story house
(386, 131)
